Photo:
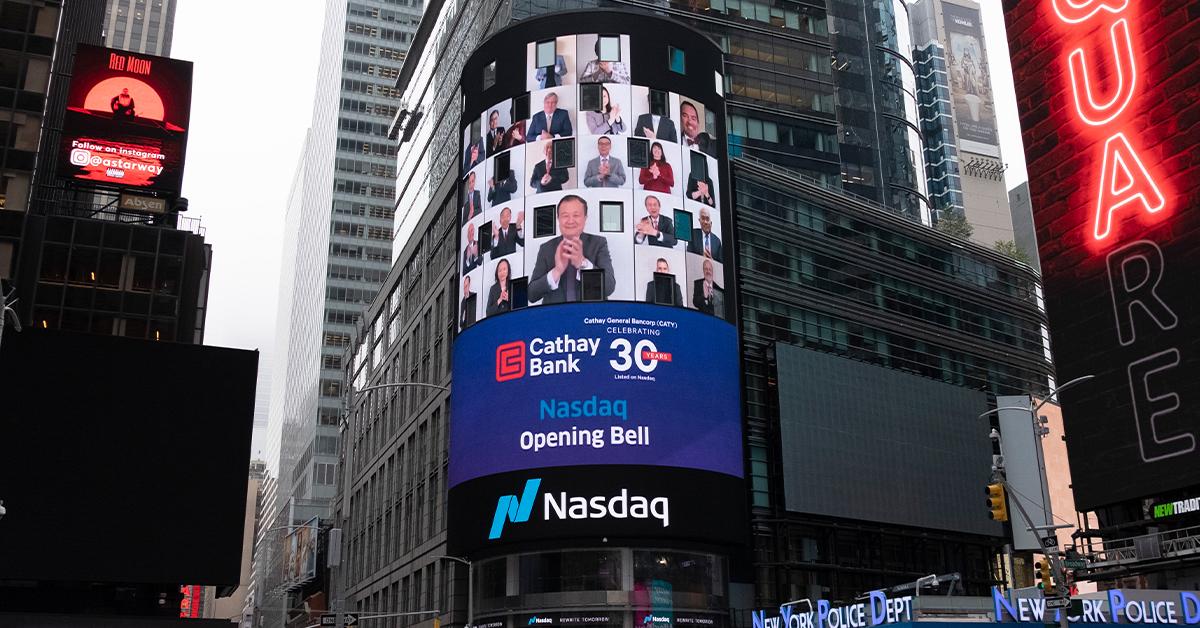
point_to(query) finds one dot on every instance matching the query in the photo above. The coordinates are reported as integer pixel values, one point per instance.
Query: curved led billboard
(582, 184)
(596, 380)
(601, 383)
(562, 410)
(127, 119)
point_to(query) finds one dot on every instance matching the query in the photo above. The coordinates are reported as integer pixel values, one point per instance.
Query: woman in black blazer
(500, 294)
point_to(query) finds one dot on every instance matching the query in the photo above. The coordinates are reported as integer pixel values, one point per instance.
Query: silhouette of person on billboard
(122, 105)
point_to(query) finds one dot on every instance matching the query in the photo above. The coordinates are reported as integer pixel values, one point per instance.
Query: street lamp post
(1050, 552)
(470, 586)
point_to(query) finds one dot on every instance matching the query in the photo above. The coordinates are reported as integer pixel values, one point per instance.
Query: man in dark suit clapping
(704, 241)
(561, 260)
(506, 236)
(704, 291)
(655, 229)
(500, 190)
(661, 266)
(545, 177)
(466, 314)
(495, 134)
(471, 205)
(471, 255)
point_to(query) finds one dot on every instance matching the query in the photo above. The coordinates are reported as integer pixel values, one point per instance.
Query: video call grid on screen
(513, 185)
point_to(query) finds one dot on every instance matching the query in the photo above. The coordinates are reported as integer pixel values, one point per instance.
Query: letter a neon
(1123, 180)
(1076, 11)
(1089, 110)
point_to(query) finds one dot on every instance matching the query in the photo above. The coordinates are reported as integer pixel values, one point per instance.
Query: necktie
(707, 246)
(569, 283)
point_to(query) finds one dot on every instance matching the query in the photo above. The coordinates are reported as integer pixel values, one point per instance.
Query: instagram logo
(510, 361)
(80, 156)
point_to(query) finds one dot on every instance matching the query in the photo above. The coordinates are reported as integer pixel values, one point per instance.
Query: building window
(324, 474)
(489, 75)
(676, 60)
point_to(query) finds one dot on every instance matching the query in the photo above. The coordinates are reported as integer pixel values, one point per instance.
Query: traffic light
(996, 502)
(1044, 580)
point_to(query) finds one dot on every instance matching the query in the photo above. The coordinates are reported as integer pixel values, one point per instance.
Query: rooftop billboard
(127, 120)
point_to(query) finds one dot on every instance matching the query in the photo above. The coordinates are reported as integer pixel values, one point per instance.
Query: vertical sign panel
(1108, 100)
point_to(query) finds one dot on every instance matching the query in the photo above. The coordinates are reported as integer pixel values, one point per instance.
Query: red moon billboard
(126, 120)
(1109, 97)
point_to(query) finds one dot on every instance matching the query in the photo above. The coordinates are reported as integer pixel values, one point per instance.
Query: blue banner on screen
(595, 384)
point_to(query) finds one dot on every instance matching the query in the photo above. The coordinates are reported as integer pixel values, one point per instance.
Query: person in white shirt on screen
(655, 229)
(693, 134)
(597, 71)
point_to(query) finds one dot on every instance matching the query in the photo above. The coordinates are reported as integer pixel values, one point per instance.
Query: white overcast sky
(255, 72)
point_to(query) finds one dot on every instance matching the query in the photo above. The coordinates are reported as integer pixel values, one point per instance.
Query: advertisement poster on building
(971, 81)
(300, 553)
(126, 120)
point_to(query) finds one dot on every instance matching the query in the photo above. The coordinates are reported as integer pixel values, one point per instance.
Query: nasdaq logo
(510, 361)
(509, 508)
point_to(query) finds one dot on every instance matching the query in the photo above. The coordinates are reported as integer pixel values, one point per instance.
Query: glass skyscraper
(144, 26)
(337, 251)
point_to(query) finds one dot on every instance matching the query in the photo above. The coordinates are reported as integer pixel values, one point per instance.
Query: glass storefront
(617, 587)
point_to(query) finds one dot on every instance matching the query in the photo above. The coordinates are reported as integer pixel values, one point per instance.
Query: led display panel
(591, 179)
(597, 381)
(126, 121)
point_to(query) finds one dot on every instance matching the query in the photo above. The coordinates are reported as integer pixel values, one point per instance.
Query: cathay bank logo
(509, 508)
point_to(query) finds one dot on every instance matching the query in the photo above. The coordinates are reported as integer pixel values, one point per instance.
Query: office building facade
(823, 273)
(1024, 234)
(827, 89)
(78, 264)
(144, 26)
(963, 163)
(858, 279)
(29, 30)
(337, 251)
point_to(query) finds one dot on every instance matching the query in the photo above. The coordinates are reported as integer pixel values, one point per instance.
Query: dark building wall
(827, 273)
(827, 92)
(872, 286)
(82, 22)
(113, 278)
(27, 32)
